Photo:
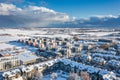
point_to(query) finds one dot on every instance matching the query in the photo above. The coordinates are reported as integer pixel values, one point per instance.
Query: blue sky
(80, 8)
(77, 8)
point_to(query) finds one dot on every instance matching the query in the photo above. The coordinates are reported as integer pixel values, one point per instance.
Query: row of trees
(36, 75)
(82, 76)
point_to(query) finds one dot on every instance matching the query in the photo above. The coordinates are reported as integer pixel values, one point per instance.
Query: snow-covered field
(8, 38)
(54, 35)
(5, 46)
(15, 34)
(7, 35)
(20, 31)
(100, 33)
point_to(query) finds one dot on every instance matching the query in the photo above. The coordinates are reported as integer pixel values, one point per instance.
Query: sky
(44, 12)
(85, 8)
(76, 8)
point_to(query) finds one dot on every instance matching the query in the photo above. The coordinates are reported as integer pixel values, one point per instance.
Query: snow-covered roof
(98, 59)
(26, 56)
(82, 67)
(90, 69)
(106, 56)
(20, 78)
(5, 46)
(110, 76)
(11, 73)
(114, 63)
(105, 52)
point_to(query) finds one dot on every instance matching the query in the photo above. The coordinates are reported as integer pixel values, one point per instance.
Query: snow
(103, 72)
(52, 36)
(110, 76)
(8, 38)
(90, 69)
(20, 78)
(60, 76)
(5, 46)
(48, 78)
(98, 59)
(106, 56)
(20, 31)
(105, 52)
(82, 67)
(14, 34)
(11, 73)
(99, 33)
(26, 56)
(114, 63)
(20, 45)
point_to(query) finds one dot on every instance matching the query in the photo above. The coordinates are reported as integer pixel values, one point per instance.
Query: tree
(75, 38)
(40, 76)
(85, 76)
(105, 46)
(53, 76)
(37, 75)
(74, 76)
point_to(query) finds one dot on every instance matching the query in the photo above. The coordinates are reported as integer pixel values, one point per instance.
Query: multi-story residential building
(9, 62)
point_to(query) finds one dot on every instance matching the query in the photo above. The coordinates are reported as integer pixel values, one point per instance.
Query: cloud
(7, 9)
(31, 16)
(105, 16)
(100, 21)
(35, 16)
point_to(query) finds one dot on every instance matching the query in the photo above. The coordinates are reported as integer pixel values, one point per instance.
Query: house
(27, 57)
(98, 60)
(113, 64)
(105, 40)
(12, 75)
(9, 62)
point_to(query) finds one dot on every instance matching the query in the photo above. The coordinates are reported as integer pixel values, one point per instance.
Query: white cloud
(105, 16)
(104, 21)
(5, 9)
(31, 16)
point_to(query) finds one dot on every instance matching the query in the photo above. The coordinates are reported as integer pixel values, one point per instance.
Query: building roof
(26, 56)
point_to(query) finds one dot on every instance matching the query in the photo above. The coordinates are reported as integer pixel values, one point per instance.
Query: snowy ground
(5, 46)
(59, 75)
(99, 34)
(20, 31)
(54, 35)
(49, 78)
(15, 34)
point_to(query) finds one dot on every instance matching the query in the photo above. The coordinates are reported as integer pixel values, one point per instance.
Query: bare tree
(85, 76)
(74, 76)
(37, 75)
(53, 76)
